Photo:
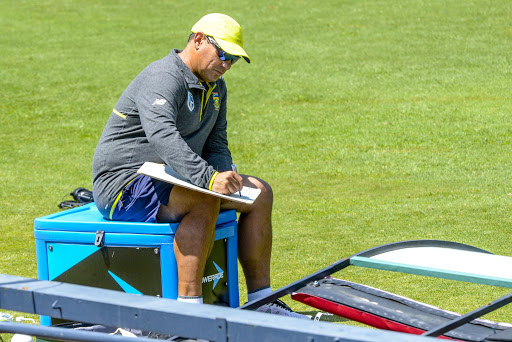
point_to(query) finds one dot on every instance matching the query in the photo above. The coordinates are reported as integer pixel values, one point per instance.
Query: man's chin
(214, 78)
(209, 78)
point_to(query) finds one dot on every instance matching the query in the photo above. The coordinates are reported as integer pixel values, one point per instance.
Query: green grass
(374, 121)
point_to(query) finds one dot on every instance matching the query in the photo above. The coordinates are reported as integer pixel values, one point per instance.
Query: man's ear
(198, 39)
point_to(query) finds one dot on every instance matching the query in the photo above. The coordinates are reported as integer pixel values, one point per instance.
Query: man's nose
(226, 65)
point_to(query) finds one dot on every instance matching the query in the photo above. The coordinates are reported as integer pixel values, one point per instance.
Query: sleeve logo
(159, 102)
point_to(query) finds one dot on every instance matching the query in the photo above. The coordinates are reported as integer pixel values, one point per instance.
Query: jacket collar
(190, 78)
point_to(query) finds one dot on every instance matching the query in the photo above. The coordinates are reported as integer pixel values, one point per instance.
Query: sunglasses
(223, 55)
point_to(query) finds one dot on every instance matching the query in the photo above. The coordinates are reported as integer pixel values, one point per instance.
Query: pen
(233, 167)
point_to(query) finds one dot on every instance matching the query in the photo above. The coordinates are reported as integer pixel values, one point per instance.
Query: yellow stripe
(212, 179)
(210, 89)
(209, 93)
(119, 113)
(117, 199)
(201, 112)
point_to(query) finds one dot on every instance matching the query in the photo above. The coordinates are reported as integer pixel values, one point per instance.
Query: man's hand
(227, 183)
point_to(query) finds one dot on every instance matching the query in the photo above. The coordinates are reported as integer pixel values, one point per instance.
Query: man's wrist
(210, 185)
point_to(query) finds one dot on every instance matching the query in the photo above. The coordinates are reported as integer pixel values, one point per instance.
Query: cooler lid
(87, 218)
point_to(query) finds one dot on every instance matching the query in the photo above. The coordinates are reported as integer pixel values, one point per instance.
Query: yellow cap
(226, 31)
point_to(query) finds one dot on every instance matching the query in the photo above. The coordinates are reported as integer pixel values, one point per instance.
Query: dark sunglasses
(223, 55)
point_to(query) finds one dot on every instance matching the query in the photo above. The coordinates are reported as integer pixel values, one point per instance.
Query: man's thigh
(183, 201)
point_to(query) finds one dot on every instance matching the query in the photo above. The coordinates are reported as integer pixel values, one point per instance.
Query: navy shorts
(141, 199)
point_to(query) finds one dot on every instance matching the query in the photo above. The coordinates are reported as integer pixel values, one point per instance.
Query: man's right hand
(227, 183)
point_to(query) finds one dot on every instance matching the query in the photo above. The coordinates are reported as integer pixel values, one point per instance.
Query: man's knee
(262, 205)
(266, 196)
(266, 190)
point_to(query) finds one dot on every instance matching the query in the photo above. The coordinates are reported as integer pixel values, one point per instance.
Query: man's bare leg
(194, 238)
(255, 234)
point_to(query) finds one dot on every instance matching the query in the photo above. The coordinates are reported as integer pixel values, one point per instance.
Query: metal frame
(358, 260)
(470, 316)
(119, 309)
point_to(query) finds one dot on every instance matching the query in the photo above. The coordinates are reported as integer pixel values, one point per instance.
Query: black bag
(81, 196)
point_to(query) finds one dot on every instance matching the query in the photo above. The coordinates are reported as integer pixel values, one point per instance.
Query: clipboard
(167, 174)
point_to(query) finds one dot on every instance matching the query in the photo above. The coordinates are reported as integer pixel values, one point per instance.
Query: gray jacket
(165, 116)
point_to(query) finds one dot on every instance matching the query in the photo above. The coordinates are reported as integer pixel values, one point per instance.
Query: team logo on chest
(190, 101)
(216, 100)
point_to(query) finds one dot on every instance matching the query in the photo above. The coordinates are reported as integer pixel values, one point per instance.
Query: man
(174, 112)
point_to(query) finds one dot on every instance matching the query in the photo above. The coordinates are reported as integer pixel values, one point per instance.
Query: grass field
(374, 121)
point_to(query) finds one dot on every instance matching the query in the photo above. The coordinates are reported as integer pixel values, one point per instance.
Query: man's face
(209, 66)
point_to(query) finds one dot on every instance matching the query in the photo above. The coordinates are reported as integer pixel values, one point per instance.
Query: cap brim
(233, 49)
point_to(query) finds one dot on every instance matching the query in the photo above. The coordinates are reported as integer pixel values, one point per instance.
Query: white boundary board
(476, 267)
(490, 265)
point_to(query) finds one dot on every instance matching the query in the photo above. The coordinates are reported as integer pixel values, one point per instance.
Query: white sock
(191, 299)
(253, 295)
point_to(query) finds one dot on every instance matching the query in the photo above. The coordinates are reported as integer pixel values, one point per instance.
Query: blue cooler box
(79, 246)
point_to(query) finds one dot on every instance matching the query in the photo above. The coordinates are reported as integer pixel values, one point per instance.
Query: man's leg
(255, 245)
(255, 234)
(194, 238)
